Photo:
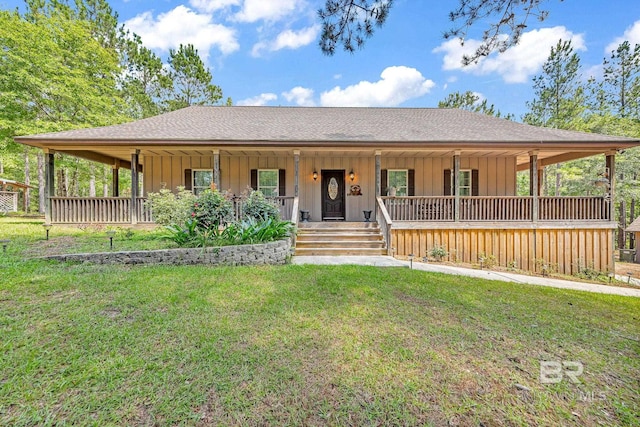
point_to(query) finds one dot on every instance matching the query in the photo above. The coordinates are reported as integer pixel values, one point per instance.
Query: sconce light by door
(315, 175)
(352, 175)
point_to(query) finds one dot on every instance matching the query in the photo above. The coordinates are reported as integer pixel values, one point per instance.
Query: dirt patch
(623, 268)
(53, 246)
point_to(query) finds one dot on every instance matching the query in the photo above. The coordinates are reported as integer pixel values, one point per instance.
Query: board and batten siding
(235, 171)
(497, 175)
(561, 249)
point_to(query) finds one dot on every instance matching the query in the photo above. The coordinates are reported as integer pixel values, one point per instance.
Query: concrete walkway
(387, 261)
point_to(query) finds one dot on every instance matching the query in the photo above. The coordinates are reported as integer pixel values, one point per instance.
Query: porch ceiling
(108, 155)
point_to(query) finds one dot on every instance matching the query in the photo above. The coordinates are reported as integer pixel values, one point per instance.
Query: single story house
(431, 177)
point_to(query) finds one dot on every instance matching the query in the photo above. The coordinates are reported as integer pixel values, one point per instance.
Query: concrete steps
(339, 238)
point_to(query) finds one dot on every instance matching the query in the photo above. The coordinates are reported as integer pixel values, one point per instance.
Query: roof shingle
(300, 124)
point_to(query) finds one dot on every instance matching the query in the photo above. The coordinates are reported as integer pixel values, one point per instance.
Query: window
(465, 183)
(268, 182)
(399, 179)
(202, 179)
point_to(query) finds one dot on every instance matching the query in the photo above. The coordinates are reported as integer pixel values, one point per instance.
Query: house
(431, 177)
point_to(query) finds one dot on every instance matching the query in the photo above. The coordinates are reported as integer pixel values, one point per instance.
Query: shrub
(211, 210)
(488, 261)
(438, 252)
(252, 231)
(169, 208)
(258, 207)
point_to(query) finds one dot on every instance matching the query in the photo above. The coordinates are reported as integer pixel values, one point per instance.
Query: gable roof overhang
(428, 131)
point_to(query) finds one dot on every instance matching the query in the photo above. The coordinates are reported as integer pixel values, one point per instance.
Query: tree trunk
(622, 224)
(105, 182)
(27, 181)
(41, 191)
(92, 180)
(62, 182)
(632, 236)
(75, 181)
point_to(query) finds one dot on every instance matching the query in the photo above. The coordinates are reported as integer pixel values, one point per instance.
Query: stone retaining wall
(268, 253)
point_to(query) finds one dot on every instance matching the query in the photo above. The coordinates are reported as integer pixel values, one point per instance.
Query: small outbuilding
(9, 194)
(635, 229)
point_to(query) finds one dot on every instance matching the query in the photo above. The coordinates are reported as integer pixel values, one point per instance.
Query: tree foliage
(471, 101)
(348, 23)
(191, 80)
(559, 92)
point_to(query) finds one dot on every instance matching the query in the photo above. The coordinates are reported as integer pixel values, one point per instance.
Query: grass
(302, 345)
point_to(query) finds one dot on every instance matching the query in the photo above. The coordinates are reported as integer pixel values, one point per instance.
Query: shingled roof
(327, 126)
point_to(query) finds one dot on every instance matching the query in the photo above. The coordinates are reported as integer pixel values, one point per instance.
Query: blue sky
(265, 52)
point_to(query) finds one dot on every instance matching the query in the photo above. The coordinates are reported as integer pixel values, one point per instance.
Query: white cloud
(300, 96)
(271, 10)
(183, 25)
(632, 35)
(209, 6)
(288, 39)
(518, 63)
(259, 100)
(397, 84)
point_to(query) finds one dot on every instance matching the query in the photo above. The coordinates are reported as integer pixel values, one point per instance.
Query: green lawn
(302, 345)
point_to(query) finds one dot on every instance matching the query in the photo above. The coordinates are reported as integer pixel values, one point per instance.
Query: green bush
(169, 208)
(251, 231)
(211, 210)
(258, 207)
(438, 252)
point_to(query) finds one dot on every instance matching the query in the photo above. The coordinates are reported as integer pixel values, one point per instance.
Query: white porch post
(378, 174)
(49, 183)
(456, 185)
(296, 173)
(135, 156)
(216, 169)
(533, 185)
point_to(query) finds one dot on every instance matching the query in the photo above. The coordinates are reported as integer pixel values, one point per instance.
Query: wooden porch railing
(284, 203)
(574, 208)
(496, 208)
(100, 210)
(420, 208)
(385, 223)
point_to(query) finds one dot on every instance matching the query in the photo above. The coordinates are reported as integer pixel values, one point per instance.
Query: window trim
(406, 185)
(195, 189)
(277, 186)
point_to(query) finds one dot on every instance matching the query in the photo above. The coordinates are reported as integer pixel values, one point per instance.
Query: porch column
(296, 172)
(49, 183)
(456, 185)
(115, 178)
(611, 170)
(378, 174)
(533, 184)
(135, 156)
(216, 169)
